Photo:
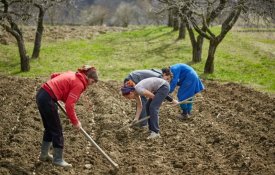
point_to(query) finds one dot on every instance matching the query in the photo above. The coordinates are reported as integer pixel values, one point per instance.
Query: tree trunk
(15, 31)
(196, 45)
(24, 59)
(175, 23)
(209, 65)
(182, 30)
(39, 33)
(198, 50)
(170, 18)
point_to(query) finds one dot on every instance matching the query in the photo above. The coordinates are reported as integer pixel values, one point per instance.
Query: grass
(246, 58)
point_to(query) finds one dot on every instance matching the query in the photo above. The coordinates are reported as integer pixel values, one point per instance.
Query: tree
(42, 6)
(259, 13)
(234, 10)
(11, 13)
(201, 14)
(95, 15)
(124, 14)
(179, 9)
(182, 29)
(146, 12)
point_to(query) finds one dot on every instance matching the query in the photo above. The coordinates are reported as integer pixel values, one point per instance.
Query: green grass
(246, 58)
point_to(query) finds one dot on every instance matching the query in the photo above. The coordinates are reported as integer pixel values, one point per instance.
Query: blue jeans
(143, 113)
(153, 105)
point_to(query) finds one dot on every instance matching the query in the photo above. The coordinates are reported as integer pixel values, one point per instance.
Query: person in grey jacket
(138, 75)
(156, 89)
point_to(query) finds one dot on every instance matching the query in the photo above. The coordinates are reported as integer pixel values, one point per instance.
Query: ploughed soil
(232, 131)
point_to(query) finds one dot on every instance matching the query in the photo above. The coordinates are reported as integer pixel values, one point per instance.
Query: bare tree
(201, 14)
(13, 12)
(95, 15)
(260, 12)
(124, 14)
(234, 10)
(147, 15)
(42, 6)
(180, 8)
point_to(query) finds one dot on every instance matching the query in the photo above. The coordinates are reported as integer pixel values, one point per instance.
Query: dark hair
(89, 71)
(166, 71)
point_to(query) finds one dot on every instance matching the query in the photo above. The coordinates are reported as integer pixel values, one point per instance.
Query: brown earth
(55, 33)
(232, 131)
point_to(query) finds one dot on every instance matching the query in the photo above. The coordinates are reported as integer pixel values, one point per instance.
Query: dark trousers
(143, 113)
(49, 113)
(153, 105)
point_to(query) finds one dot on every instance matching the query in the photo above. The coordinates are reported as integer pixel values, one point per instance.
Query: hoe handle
(100, 150)
(132, 124)
(92, 141)
(186, 101)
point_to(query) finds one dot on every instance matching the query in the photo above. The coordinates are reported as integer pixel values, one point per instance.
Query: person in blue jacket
(189, 84)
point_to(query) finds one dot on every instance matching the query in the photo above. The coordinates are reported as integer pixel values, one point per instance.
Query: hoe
(92, 141)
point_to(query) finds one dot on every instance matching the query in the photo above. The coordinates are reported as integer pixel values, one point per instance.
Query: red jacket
(67, 87)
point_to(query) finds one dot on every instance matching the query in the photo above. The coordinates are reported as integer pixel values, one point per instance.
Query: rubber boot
(44, 155)
(58, 158)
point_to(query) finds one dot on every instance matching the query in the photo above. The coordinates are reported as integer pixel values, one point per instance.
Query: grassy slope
(245, 58)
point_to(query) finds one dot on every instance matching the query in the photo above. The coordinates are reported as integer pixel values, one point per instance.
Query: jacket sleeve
(174, 81)
(70, 104)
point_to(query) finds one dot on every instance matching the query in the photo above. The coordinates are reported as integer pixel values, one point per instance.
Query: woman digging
(189, 84)
(156, 89)
(66, 87)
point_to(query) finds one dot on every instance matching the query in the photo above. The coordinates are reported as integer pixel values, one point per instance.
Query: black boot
(184, 115)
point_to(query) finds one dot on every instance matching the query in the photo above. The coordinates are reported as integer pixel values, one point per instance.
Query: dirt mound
(55, 33)
(231, 131)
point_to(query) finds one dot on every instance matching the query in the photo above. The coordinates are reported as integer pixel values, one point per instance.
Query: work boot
(184, 116)
(44, 155)
(58, 158)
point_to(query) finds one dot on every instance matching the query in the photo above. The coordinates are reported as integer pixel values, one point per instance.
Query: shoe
(184, 116)
(153, 135)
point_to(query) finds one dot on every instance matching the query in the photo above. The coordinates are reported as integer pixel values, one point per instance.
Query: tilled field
(232, 131)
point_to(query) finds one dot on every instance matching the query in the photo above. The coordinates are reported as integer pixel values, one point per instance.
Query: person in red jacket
(66, 87)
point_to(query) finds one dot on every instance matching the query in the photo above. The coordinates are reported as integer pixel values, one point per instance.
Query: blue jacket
(188, 80)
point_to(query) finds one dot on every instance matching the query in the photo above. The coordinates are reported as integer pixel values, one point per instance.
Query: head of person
(167, 74)
(90, 72)
(128, 89)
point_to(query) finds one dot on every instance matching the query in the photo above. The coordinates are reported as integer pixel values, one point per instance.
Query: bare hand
(134, 121)
(175, 102)
(78, 125)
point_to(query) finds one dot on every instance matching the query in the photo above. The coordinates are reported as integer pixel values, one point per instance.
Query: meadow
(247, 58)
